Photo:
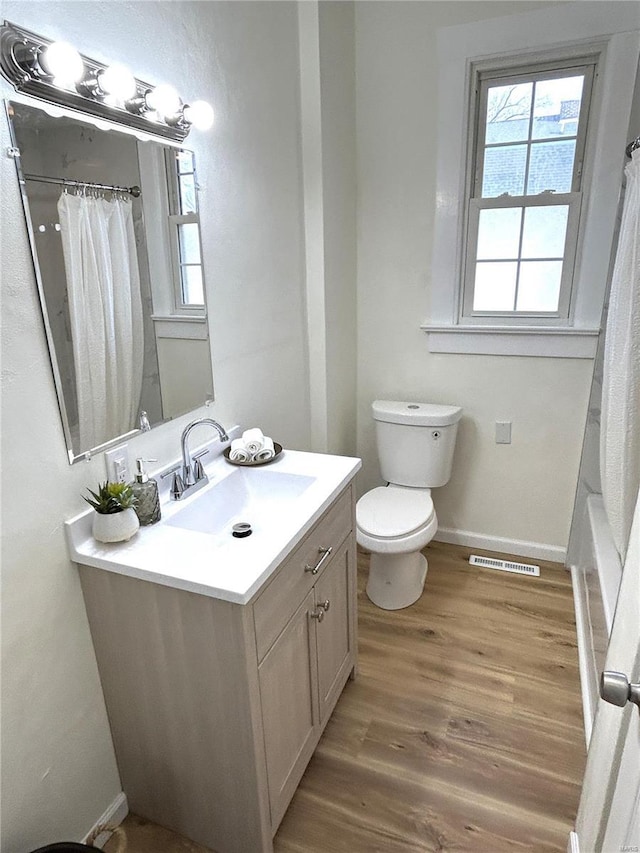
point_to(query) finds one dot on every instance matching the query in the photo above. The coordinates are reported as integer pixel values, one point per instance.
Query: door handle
(616, 689)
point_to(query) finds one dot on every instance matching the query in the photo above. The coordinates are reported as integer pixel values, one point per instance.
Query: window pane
(495, 286)
(188, 203)
(192, 290)
(185, 161)
(556, 107)
(504, 170)
(544, 232)
(551, 167)
(499, 233)
(189, 243)
(539, 285)
(508, 112)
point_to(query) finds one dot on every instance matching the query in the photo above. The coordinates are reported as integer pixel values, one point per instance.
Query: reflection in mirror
(114, 231)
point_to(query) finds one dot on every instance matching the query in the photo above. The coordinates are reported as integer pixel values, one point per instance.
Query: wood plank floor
(462, 732)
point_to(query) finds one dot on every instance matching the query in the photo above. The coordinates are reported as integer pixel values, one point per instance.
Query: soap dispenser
(145, 489)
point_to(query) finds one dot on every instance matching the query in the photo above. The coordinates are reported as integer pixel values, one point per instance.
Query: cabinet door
(288, 677)
(334, 635)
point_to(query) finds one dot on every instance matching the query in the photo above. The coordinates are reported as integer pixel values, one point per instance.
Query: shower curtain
(105, 309)
(620, 419)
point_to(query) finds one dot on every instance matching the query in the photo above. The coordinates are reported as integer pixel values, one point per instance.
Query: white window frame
(482, 78)
(609, 31)
(175, 219)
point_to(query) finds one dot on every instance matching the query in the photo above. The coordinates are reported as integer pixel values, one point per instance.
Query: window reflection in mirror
(185, 232)
(120, 276)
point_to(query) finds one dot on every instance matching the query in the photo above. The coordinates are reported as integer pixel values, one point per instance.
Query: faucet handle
(198, 470)
(177, 483)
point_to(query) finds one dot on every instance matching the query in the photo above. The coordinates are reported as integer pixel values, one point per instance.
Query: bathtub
(596, 580)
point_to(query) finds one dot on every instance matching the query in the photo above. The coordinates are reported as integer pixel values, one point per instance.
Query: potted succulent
(115, 519)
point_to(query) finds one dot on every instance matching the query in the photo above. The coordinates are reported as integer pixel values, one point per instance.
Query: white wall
(59, 772)
(327, 116)
(337, 87)
(523, 492)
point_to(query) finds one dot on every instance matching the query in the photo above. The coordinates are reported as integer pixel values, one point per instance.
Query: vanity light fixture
(115, 84)
(164, 100)
(199, 114)
(54, 71)
(62, 62)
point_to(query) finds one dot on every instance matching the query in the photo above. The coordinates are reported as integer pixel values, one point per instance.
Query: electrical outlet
(503, 432)
(117, 462)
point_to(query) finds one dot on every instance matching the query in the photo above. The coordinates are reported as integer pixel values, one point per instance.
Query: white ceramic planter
(115, 526)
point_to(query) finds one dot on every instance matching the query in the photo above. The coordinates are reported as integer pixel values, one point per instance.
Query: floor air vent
(505, 566)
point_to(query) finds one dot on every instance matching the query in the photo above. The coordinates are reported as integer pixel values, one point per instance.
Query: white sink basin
(254, 495)
(192, 548)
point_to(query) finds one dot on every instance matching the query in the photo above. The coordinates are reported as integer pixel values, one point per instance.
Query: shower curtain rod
(66, 182)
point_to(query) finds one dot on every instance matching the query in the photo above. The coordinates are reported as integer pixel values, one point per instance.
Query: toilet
(415, 443)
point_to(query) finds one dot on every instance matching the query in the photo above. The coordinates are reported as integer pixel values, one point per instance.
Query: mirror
(114, 232)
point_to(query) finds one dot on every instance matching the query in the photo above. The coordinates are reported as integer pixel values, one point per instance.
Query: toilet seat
(392, 512)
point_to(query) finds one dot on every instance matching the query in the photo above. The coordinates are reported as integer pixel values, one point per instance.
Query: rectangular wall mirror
(115, 237)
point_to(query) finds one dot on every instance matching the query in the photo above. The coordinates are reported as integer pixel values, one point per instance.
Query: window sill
(545, 341)
(181, 326)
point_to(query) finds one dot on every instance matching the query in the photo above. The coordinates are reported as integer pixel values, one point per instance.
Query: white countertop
(218, 565)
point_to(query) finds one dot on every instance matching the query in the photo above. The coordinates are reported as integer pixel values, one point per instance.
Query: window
(525, 192)
(560, 35)
(185, 233)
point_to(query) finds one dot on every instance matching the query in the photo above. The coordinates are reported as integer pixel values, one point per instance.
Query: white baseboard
(517, 547)
(113, 816)
(585, 643)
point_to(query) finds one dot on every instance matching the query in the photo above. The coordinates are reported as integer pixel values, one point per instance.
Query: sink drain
(241, 530)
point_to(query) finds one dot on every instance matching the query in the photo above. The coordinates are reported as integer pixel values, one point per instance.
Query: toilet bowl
(395, 523)
(415, 444)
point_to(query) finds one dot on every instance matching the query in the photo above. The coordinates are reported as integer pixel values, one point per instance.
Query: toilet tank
(415, 442)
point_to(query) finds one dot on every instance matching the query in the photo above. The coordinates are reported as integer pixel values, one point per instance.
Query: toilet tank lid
(416, 414)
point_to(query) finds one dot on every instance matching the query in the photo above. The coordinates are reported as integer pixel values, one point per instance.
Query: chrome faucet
(192, 477)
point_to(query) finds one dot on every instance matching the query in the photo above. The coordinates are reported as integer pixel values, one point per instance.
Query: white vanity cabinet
(217, 707)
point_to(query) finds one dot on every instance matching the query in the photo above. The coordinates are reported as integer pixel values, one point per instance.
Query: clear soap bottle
(145, 489)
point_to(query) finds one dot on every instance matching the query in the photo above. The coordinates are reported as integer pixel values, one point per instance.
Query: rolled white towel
(253, 440)
(267, 452)
(238, 451)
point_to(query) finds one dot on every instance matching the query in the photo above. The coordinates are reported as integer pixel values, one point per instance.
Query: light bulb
(164, 100)
(199, 114)
(63, 62)
(118, 81)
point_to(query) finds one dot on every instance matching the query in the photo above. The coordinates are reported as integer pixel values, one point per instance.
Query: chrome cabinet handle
(325, 605)
(317, 614)
(315, 569)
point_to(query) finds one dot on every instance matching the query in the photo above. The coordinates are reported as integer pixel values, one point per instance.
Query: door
(609, 814)
(287, 678)
(333, 634)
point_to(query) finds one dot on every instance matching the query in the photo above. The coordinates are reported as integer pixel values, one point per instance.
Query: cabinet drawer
(273, 607)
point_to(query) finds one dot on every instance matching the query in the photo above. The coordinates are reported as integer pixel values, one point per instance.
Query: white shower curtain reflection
(620, 422)
(106, 313)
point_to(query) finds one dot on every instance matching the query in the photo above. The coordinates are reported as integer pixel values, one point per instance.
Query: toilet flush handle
(324, 552)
